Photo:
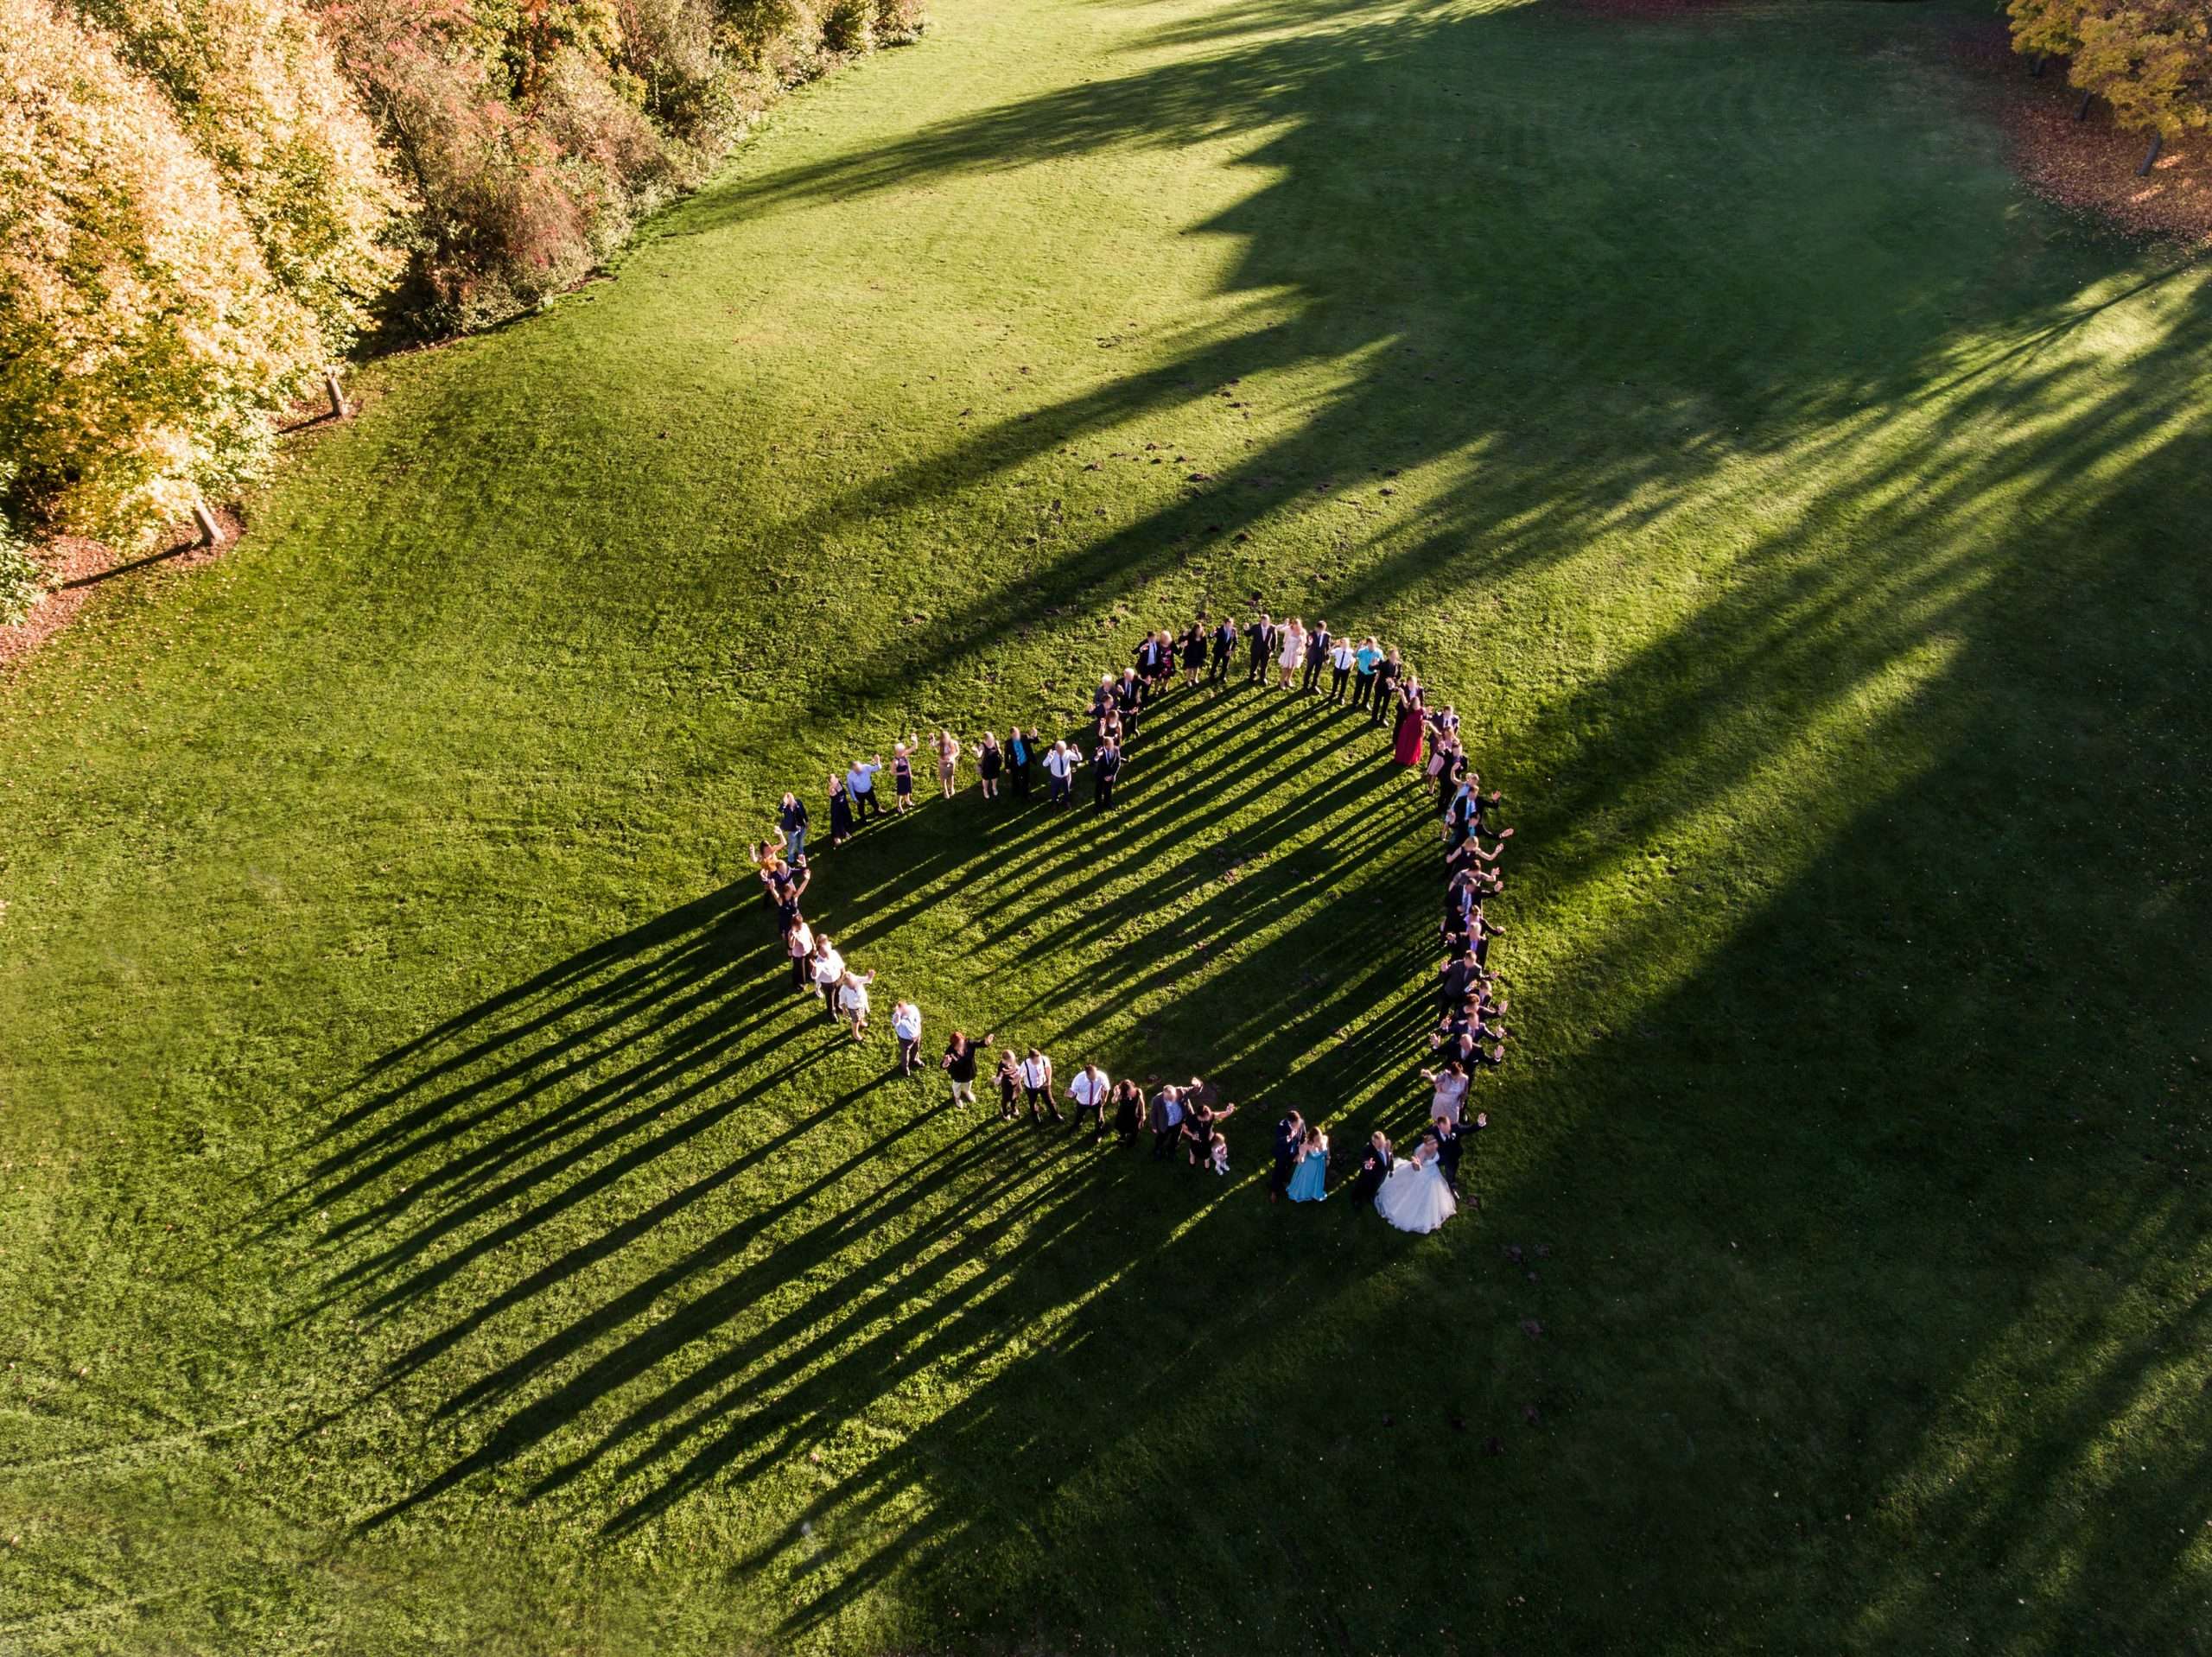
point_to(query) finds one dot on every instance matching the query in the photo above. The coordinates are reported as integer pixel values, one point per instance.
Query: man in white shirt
(1059, 766)
(860, 783)
(1340, 661)
(852, 1002)
(828, 968)
(907, 1025)
(1036, 1085)
(1089, 1090)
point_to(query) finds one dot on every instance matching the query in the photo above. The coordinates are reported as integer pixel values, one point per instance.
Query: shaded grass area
(428, 1223)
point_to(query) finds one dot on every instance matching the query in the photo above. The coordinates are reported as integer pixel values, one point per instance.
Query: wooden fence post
(211, 532)
(339, 410)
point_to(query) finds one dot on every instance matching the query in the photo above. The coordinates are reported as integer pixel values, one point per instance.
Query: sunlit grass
(427, 1225)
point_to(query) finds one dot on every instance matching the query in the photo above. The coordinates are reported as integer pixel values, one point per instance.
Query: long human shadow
(1982, 599)
(2000, 548)
(1889, 1035)
(558, 1096)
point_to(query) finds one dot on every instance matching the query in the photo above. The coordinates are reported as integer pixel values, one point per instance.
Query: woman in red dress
(1412, 724)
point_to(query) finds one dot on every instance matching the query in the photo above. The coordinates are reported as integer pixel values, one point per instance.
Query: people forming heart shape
(1416, 1192)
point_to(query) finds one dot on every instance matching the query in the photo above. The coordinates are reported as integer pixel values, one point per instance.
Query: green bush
(848, 26)
(23, 579)
(900, 22)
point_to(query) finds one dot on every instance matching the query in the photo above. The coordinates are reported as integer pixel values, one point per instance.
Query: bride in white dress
(1414, 1198)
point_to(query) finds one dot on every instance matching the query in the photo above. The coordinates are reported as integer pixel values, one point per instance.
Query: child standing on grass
(907, 1027)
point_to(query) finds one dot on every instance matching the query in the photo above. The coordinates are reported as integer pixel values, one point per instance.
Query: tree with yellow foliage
(2151, 59)
(259, 94)
(145, 347)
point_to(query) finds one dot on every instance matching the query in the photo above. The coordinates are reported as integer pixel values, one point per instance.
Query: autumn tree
(260, 96)
(2046, 28)
(144, 346)
(2152, 60)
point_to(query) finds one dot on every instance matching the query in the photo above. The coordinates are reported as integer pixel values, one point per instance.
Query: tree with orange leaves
(2152, 60)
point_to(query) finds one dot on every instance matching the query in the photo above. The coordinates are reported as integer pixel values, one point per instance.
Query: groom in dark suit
(1446, 1134)
(1290, 1133)
(1260, 636)
(1373, 1169)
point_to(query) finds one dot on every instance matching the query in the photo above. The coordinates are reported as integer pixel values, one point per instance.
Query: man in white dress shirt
(1059, 766)
(1036, 1085)
(829, 973)
(1089, 1090)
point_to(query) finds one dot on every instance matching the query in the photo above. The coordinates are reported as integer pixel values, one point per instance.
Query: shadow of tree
(1842, 1057)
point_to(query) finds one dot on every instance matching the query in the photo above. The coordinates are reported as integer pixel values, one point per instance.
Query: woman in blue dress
(1308, 1181)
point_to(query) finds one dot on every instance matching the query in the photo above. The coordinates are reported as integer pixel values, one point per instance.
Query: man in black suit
(1290, 1133)
(1383, 705)
(1447, 1135)
(1105, 767)
(1373, 1169)
(1317, 654)
(1259, 640)
(1225, 646)
(1128, 698)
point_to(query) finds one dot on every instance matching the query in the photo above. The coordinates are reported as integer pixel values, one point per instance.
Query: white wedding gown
(1414, 1198)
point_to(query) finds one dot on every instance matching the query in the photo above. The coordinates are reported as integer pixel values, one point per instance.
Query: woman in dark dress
(1194, 654)
(841, 810)
(990, 760)
(1009, 1081)
(902, 775)
(1128, 1111)
(1200, 1128)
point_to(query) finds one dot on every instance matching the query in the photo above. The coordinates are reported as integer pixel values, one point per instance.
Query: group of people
(1185, 1117)
(1291, 655)
(1415, 1192)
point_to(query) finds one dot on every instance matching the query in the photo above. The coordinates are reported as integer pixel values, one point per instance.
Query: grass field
(426, 1225)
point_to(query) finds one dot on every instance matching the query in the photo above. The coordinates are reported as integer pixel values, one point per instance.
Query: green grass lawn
(427, 1225)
